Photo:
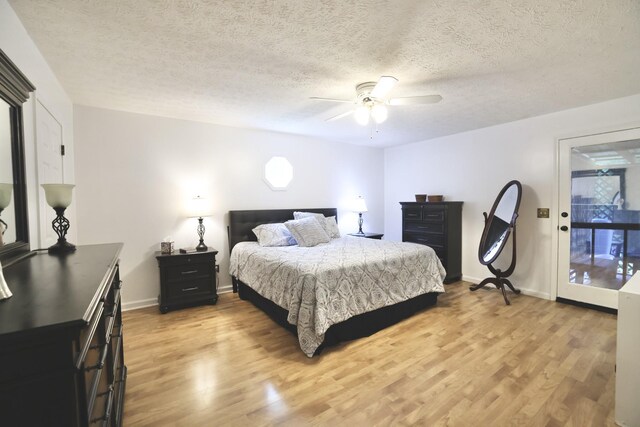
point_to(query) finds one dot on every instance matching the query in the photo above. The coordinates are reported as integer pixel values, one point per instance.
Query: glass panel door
(599, 221)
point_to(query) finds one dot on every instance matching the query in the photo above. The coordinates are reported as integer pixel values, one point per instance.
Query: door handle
(564, 214)
(564, 228)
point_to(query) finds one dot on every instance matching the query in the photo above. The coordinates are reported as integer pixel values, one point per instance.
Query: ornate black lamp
(200, 209)
(360, 207)
(59, 198)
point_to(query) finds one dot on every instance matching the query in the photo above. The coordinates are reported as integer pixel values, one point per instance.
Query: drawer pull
(184, 273)
(92, 331)
(108, 406)
(100, 363)
(193, 288)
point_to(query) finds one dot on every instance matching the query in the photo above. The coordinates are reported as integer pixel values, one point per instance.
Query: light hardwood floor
(469, 361)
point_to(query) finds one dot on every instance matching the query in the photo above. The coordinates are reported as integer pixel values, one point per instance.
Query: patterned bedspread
(326, 284)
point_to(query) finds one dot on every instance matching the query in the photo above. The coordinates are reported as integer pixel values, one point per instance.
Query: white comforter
(326, 284)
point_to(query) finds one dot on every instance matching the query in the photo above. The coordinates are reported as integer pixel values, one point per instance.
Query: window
(278, 173)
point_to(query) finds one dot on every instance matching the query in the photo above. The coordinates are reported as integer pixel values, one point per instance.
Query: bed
(345, 289)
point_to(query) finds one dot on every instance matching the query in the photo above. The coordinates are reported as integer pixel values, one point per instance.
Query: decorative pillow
(332, 227)
(329, 224)
(307, 231)
(273, 235)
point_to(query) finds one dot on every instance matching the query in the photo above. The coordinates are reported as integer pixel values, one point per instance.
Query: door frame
(555, 202)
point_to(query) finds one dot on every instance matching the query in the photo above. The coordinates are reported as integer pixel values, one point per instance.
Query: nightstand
(187, 279)
(377, 236)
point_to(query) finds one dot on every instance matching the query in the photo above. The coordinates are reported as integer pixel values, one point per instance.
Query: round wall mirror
(499, 222)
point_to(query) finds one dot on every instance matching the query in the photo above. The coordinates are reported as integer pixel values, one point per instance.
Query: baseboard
(133, 305)
(225, 289)
(525, 291)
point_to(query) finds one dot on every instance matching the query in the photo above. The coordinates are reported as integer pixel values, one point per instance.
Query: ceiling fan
(372, 101)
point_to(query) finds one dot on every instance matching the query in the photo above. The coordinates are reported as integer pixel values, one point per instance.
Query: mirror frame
(15, 89)
(489, 220)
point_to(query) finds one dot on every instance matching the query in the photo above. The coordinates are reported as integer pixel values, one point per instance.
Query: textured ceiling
(256, 63)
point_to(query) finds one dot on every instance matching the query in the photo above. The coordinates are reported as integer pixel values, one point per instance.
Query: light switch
(543, 212)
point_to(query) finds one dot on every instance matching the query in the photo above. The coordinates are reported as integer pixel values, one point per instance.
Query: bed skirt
(359, 326)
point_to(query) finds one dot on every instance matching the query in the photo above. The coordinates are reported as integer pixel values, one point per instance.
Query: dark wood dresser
(438, 225)
(187, 279)
(61, 344)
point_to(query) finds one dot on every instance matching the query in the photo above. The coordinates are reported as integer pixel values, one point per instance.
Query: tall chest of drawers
(438, 225)
(61, 340)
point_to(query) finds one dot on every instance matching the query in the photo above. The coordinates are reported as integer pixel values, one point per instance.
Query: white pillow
(273, 235)
(330, 225)
(307, 231)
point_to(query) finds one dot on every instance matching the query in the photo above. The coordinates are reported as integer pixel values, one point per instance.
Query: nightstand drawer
(187, 288)
(189, 271)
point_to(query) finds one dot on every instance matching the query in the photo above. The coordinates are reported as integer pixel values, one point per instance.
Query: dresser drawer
(412, 212)
(424, 227)
(433, 213)
(425, 239)
(188, 271)
(424, 213)
(188, 288)
(99, 412)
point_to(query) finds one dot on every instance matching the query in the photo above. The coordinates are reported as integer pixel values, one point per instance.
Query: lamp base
(62, 247)
(201, 247)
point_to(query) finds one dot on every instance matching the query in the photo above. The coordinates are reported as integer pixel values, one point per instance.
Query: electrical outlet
(217, 268)
(543, 212)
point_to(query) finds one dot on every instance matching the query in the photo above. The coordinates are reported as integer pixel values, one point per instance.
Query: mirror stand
(500, 279)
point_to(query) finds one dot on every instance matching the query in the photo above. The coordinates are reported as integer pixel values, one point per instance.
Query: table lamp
(199, 209)
(59, 198)
(360, 207)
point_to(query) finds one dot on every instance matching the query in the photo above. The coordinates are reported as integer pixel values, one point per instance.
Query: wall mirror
(498, 226)
(14, 221)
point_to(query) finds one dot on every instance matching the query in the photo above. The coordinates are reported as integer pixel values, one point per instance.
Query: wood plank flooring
(470, 360)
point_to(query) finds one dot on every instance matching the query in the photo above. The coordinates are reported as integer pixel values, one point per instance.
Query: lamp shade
(359, 205)
(362, 115)
(5, 195)
(379, 113)
(198, 207)
(58, 195)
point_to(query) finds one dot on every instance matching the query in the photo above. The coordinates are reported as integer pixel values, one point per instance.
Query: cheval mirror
(14, 221)
(498, 225)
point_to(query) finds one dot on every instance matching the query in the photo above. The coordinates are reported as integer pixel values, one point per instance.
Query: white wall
(19, 47)
(474, 166)
(135, 173)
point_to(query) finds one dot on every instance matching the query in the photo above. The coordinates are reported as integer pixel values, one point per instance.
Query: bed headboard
(242, 222)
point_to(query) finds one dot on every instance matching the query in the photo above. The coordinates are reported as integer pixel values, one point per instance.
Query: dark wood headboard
(242, 222)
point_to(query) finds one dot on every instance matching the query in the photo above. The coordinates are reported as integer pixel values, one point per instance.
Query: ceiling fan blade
(416, 100)
(339, 116)
(331, 99)
(383, 87)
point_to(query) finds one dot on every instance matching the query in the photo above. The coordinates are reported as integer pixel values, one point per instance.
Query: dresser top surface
(55, 290)
(432, 203)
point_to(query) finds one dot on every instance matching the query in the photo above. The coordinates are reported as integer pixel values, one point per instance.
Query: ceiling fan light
(362, 115)
(379, 113)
